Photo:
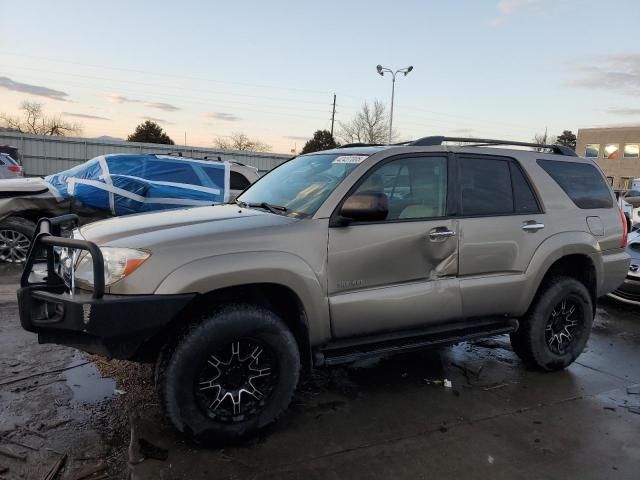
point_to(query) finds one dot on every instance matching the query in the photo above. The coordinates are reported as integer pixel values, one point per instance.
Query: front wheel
(556, 329)
(231, 375)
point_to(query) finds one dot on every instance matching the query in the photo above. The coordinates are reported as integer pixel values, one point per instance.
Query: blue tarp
(130, 183)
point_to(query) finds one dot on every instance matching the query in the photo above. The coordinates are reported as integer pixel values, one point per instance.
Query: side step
(358, 348)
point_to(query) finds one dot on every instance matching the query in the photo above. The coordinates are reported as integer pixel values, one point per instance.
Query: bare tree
(369, 125)
(241, 141)
(33, 120)
(545, 138)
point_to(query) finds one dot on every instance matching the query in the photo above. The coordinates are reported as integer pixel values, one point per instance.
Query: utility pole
(333, 114)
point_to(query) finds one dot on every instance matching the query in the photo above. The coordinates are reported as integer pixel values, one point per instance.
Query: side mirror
(365, 207)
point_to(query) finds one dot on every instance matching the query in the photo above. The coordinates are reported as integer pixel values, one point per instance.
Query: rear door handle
(436, 234)
(532, 226)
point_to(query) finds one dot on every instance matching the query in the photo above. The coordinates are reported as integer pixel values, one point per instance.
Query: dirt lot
(391, 418)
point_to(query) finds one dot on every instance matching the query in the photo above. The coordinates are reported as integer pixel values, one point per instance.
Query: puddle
(87, 385)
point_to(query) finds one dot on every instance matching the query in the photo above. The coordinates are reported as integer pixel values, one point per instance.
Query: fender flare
(273, 267)
(553, 249)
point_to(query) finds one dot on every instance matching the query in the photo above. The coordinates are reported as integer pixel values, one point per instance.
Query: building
(616, 149)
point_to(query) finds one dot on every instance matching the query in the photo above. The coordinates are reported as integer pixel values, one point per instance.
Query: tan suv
(331, 257)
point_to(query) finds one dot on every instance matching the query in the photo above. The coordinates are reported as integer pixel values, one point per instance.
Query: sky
(202, 69)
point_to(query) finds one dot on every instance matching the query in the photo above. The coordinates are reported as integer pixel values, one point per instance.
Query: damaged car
(113, 185)
(332, 257)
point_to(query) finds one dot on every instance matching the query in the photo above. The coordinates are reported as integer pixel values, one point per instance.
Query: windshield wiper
(277, 209)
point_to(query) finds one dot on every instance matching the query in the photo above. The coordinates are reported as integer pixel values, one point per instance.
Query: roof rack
(351, 145)
(483, 142)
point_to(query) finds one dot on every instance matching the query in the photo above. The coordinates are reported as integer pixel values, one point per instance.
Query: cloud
(167, 107)
(617, 73)
(157, 120)
(119, 99)
(7, 83)
(507, 8)
(84, 115)
(225, 117)
(161, 106)
(624, 111)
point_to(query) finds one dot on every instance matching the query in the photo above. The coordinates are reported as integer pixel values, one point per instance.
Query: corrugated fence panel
(43, 155)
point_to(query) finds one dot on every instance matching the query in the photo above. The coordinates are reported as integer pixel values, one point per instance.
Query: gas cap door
(595, 226)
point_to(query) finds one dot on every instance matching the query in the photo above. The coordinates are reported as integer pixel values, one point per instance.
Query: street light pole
(381, 70)
(393, 91)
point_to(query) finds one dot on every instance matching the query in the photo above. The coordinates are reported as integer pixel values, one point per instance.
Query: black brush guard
(47, 236)
(117, 326)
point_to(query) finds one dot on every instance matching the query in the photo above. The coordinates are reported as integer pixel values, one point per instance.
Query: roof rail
(482, 142)
(351, 145)
(169, 154)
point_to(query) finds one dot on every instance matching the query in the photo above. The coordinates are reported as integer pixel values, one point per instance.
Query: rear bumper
(615, 267)
(113, 325)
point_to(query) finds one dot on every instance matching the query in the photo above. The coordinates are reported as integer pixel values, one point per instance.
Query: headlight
(118, 263)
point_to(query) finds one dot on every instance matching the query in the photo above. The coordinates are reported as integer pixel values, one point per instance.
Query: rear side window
(581, 182)
(237, 181)
(523, 197)
(486, 186)
(495, 186)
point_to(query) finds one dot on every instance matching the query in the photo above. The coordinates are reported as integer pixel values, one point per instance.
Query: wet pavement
(390, 418)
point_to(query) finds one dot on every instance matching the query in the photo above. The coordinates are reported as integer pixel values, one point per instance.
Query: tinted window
(237, 181)
(415, 187)
(524, 199)
(581, 182)
(486, 186)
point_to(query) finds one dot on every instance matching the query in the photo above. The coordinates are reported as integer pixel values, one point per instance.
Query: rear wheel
(231, 375)
(15, 238)
(556, 329)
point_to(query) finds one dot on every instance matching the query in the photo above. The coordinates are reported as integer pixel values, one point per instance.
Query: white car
(9, 168)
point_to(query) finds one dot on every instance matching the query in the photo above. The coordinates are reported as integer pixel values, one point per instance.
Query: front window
(303, 184)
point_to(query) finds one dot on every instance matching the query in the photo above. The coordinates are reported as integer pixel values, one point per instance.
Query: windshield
(301, 185)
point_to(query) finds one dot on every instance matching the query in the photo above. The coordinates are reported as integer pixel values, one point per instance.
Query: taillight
(623, 243)
(14, 168)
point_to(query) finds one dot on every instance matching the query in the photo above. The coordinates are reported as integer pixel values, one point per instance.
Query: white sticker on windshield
(350, 159)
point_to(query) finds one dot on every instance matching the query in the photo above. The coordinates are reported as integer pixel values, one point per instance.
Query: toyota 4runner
(331, 257)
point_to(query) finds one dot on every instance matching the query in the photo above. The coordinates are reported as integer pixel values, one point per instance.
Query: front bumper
(115, 325)
(112, 325)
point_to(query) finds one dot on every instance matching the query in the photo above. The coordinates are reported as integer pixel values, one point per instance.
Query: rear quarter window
(582, 182)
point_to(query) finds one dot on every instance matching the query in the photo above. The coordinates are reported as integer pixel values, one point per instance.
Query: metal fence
(43, 155)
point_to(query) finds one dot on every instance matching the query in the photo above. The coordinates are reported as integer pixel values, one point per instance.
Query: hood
(146, 230)
(23, 185)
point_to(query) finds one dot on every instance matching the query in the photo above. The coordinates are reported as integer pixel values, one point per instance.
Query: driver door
(401, 272)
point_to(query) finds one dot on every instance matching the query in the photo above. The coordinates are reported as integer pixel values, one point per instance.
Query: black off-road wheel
(15, 239)
(229, 376)
(556, 329)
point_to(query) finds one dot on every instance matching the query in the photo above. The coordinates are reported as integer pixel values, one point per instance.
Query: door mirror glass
(365, 207)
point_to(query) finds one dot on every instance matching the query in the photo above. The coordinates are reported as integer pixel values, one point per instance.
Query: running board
(352, 349)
